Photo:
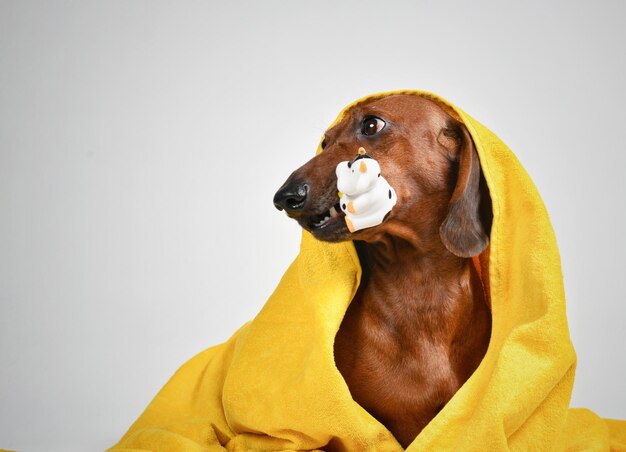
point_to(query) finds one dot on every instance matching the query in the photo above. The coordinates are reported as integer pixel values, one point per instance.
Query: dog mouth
(329, 218)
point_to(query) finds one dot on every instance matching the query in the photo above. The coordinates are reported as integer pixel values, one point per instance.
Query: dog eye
(324, 143)
(372, 125)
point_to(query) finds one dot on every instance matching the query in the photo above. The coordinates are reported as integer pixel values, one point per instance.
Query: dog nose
(291, 197)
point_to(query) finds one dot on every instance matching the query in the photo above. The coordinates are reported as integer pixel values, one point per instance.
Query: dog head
(424, 153)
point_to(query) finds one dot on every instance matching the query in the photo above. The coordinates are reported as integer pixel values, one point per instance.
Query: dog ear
(465, 229)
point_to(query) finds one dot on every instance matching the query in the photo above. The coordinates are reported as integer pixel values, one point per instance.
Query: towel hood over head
(274, 384)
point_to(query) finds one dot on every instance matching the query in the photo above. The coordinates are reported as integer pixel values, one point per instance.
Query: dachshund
(420, 322)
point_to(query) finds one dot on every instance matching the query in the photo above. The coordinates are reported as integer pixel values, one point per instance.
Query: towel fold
(274, 384)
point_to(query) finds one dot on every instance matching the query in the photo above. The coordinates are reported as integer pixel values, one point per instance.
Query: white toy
(365, 196)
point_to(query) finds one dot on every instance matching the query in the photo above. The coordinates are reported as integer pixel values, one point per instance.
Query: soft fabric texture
(274, 384)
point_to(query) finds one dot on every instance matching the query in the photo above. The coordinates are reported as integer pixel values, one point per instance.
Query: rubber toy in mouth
(365, 196)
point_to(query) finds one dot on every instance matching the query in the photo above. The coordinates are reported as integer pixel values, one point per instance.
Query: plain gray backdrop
(141, 144)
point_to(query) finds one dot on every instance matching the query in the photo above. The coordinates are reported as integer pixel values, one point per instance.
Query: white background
(141, 144)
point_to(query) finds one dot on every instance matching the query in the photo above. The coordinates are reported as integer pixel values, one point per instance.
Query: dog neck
(409, 278)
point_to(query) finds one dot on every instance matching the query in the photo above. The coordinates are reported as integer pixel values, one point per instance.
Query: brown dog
(419, 324)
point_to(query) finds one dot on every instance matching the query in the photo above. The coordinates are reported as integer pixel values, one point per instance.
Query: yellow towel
(274, 385)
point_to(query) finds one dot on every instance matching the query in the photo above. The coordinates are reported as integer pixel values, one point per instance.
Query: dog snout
(291, 197)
